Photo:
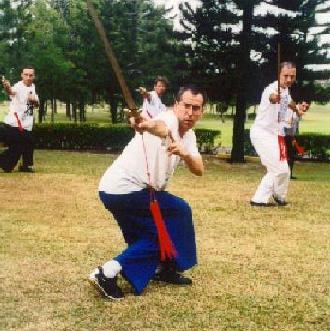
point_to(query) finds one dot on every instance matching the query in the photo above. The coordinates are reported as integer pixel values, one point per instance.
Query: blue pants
(142, 256)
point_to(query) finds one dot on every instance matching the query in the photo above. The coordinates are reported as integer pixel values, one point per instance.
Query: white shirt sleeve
(191, 146)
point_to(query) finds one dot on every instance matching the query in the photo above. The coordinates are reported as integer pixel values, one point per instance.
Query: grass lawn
(259, 269)
(316, 120)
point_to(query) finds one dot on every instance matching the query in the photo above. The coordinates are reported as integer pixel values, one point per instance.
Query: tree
(222, 35)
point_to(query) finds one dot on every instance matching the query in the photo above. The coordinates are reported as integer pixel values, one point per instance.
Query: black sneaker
(6, 170)
(281, 203)
(108, 286)
(172, 277)
(25, 169)
(262, 204)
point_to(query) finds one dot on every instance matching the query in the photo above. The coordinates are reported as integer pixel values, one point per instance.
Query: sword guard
(136, 113)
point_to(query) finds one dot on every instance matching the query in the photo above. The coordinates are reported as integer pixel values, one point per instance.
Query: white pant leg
(277, 177)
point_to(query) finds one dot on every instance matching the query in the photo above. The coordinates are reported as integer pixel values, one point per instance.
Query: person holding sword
(19, 122)
(133, 189)
(268, 137)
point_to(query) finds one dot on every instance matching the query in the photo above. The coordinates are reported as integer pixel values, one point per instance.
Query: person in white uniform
(19, 123)
(267, 136)
(152, 103)
(291, 128)
(129, 188)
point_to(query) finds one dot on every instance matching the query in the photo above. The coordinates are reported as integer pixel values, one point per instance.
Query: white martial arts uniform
(154, 106)
(268, 125)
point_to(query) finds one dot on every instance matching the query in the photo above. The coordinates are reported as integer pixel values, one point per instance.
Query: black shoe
(262, 204)
(25, 169)
(172, 277)
(108, 286)
(6, 170)
(280, 202)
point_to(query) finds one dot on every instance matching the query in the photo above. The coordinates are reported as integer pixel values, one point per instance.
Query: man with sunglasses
(141, 173)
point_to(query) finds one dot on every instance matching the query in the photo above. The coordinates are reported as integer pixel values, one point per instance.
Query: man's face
(287, 77)
(188, 110)
(160, 88)
(27, 76)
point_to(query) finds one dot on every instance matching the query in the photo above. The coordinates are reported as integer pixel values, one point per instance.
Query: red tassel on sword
(19, 123)
(281, 144)
(167, 249)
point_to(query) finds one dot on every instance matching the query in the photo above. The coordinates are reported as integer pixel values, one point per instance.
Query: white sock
(111, 268)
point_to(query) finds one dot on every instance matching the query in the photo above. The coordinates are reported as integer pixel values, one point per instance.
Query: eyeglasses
(196, 110)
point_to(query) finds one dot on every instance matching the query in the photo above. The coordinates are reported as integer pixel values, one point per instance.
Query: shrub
(206, 139)
(317, 146)
(86, 136)
(92, 136)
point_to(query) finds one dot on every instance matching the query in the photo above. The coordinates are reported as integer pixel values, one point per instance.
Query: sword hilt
(136, 113)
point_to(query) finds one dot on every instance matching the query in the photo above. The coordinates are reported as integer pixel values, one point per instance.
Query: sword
(133, 109)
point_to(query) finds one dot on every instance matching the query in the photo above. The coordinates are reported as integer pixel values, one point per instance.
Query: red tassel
(281, 144)
(20, 128)
(167, 249)
(300, 150)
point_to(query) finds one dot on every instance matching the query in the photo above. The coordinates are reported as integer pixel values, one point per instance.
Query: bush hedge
(94, 137)
(82, 137)
(206, 139)
(317, 146)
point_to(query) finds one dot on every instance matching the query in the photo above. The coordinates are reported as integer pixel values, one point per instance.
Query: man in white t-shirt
(152, 103)
(19, 122)
(129, 188)
(267, 136)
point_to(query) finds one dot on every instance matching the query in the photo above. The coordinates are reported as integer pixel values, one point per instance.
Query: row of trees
(58, 38)
(226, 46)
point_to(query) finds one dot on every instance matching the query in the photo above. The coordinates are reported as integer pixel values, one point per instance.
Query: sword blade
(112, 58)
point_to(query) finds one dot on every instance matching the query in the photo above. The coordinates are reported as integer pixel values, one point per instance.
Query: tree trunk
(74, 112)
(82, 111)
(41, 111)
(68, 109)
(52, 113)
(113, 107)
(237, 153)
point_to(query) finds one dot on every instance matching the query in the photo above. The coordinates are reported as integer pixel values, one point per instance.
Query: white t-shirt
(154, 106)
(128, 173)
(271, 117)
(21, 107)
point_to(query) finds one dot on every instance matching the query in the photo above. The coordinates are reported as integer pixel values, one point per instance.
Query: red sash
(300, 150)
(281, 144)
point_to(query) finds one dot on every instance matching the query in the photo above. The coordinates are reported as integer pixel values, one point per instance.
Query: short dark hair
(288, 64)
(27, 67)
(161, 79)
(194, 89)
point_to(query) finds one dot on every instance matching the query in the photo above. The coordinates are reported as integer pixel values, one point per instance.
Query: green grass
(259, 269)
(316, 120)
